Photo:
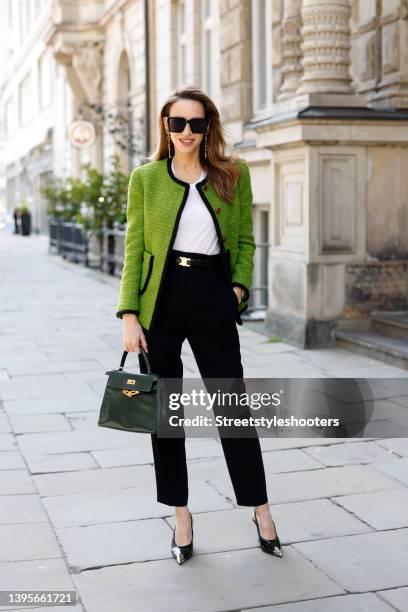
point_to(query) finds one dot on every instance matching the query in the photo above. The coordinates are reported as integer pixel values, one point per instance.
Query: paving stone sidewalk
(78, 507)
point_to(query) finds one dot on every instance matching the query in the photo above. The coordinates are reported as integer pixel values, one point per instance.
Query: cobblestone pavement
(78, 505)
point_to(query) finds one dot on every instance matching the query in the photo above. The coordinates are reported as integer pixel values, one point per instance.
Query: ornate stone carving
(87, 61)
(83, 62)
(326, 47)
(291, 48)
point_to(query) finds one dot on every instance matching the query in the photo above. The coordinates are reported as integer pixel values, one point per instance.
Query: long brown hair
(222, 171)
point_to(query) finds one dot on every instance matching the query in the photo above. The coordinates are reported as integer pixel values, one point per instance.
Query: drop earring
(169, 143)
(205, 146)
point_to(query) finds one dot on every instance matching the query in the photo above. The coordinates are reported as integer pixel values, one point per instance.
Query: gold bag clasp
(130, 392)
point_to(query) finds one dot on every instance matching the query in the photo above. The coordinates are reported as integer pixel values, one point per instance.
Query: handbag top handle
(143, 352)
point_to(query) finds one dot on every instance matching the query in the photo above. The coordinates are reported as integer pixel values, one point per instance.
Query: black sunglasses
(198, 125)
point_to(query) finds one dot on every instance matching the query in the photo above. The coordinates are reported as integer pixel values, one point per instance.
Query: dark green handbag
(131, 402)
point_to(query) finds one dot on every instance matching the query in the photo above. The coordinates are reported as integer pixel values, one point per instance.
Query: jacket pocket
(147, 268)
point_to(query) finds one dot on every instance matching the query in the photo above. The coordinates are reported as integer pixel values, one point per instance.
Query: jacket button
(218, 210)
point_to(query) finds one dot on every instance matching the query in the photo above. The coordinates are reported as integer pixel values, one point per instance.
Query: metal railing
(70, 239)
(73, 242)
(54, 230)
(112, 253)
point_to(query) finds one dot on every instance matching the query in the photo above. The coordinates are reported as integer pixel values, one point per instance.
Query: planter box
(24, 224)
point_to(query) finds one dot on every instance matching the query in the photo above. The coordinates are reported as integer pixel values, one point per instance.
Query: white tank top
(196, 231)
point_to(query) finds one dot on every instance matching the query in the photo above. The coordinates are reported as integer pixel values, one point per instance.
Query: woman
(187, 272)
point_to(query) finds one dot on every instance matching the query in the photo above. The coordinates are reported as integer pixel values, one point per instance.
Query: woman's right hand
(133, 336)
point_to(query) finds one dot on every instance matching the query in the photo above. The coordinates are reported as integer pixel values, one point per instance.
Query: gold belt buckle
(182, 260)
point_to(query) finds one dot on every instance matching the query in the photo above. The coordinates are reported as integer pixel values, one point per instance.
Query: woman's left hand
(238, 292)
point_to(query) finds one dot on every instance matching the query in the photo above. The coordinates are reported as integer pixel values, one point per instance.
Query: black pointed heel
(272, 547)
(181, 554)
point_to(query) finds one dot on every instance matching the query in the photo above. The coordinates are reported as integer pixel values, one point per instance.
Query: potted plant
(103, 202)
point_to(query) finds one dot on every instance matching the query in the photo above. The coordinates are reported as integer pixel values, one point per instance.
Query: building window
(44, 85)
(259, 300)
(8, 119)
(182, 43)
(261, 55)
(10, 15)
(25, 101)
(210, 50)
(20, 22)
(27, 14)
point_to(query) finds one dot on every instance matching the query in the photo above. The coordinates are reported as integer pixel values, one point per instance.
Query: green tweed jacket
(156, 198)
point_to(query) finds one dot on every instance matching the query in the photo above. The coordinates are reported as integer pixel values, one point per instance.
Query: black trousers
(198, 304)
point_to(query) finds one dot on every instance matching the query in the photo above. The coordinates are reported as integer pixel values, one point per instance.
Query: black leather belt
(192, 260)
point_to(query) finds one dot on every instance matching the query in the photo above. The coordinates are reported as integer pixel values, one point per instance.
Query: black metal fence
(112, 251)
(73, 242)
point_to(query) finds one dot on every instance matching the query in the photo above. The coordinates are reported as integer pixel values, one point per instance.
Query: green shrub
(92, 200)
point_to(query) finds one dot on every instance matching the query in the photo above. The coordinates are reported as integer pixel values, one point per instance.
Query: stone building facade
(314, 95)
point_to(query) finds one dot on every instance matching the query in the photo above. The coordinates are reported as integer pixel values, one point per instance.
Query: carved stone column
(326, 47)
(291, 48)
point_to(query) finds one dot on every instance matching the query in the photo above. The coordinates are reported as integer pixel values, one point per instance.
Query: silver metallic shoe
(272, 547)
(182, 553)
